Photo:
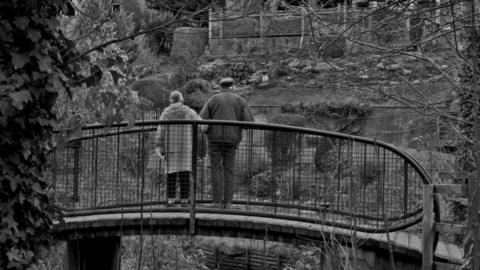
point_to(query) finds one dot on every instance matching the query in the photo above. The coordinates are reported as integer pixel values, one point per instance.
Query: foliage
(159, 41)
(350, 115)
(264, 184)
(325, 158)
(101, 94)
(32, 73)
(184, 8)
(284, 146)
(161, 252)
(467, 156)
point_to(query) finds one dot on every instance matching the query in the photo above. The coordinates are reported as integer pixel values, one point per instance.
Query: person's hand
(159, 153)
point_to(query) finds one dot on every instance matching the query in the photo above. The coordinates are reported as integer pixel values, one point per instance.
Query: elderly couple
(174, 143)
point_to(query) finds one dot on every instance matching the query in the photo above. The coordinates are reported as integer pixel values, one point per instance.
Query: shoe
(184, 202)
(170, 202)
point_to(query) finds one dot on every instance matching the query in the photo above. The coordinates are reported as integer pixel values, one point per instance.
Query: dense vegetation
(33, 70)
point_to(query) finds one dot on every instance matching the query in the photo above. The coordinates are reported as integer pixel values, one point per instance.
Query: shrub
(154, 90)
(159, 41)
(325, 155)
(196, 93)
(284, 146)
(369, 172)
(264, 184)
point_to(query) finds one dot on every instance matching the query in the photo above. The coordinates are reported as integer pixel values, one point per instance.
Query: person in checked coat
(174, 146)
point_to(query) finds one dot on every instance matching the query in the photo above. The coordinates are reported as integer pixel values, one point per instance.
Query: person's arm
(160, 138)
(204, 114)
(247, 114)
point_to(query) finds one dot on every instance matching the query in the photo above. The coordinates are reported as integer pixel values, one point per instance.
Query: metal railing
(280, 172)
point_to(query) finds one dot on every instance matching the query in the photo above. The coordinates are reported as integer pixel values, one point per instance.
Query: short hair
(176, 96)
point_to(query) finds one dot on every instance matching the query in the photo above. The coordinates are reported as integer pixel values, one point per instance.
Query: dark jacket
(226, 106)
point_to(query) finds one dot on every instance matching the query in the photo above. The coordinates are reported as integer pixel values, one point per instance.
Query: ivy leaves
(20, 98)
(31, 75)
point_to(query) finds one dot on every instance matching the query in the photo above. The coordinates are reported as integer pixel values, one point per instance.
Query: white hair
(176, 96)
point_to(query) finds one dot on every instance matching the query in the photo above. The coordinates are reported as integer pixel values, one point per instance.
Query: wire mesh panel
(240, 168)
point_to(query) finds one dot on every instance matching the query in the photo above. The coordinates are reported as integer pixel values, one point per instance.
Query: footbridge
(292, 185)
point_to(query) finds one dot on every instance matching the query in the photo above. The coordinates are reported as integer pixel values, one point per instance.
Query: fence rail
(280, 171)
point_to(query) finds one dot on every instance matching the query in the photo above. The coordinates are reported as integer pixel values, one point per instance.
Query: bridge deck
(401, 242)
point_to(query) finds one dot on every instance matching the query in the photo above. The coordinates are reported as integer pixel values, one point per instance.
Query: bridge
(292, 185)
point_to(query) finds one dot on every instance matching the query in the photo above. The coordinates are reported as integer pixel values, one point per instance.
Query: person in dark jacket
(223, 140)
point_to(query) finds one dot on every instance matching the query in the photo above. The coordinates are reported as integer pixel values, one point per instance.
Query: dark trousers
(184, 180)
(222, 161)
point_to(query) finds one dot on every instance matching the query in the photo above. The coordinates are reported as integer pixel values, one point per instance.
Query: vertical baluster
(353, 195)
(193, 179)
(250, 158)
(76, 168)
(274, 165)
(363, 181)
(117, 174)
(379, 181)
(138, 167)
(142, 165)
(339, 172)
(95, 163)
(54, 172)
(405, 187)
(383, 188)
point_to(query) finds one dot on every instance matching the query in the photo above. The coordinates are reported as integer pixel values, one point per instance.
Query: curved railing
(280, 171)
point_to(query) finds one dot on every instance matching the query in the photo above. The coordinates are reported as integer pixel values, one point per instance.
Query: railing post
(193, 179)
(427, 227)
(76, 145)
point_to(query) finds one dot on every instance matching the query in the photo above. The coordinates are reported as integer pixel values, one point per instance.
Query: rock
(295, 64)
(393, 67)
(380, 66)
(255, 78)
(259, 76)
(364, 77)
(189, 42)
(209, 70)
(263, 85)
(444, 67)
(406, 71)
(309, 68)
(290, 78)
(321, 66)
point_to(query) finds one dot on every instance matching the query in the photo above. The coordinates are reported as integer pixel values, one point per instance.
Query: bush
(325, 155)
(369, 172)
(246, 168)
(152, 89)
(159, 41)
(284, 146)
(264, 184)
(196, 93)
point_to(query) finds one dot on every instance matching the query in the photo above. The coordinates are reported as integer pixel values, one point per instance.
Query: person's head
(226, 83)
(176, 96)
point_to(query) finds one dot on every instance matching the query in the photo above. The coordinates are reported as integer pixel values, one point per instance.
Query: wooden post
(93, 253)
(428, 231)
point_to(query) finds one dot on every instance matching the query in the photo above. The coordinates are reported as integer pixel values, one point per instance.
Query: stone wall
(226, 253)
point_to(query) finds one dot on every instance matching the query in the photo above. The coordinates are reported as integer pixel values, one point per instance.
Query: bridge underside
(239, 226)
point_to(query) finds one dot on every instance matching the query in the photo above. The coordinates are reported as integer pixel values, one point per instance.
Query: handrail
(279, 128)
(109, 164)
